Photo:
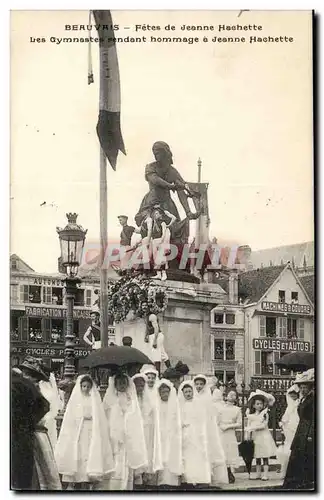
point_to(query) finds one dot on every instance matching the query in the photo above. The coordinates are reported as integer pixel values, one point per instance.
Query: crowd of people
(150, 432)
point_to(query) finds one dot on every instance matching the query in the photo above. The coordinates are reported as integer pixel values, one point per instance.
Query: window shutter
(23, 292)
(262, 326)
(46, 329)
(88, 297)
(257, 362)
(276, 357)
(23, 327)
(301, 328)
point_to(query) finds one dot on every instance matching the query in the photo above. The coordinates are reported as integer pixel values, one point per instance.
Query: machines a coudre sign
(288, 308)
(281, 345)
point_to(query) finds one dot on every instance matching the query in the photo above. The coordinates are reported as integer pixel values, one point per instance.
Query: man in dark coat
(301, 466)
(28, 406)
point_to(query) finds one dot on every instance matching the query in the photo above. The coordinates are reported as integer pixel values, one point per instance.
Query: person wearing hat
(92, 334)
(258, 419)
(176, 374)
(300, 473)
(33, 465)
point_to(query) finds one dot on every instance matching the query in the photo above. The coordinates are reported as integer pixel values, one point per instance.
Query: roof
(308, 283)
(254, 284)
(24, 268)
(301, 254)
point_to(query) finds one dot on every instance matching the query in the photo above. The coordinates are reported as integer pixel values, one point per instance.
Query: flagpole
(103, 247)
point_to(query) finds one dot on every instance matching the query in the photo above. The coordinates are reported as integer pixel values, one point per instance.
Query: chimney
(233, 288)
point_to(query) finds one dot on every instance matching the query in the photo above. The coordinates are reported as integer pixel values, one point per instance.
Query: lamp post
(72, 239)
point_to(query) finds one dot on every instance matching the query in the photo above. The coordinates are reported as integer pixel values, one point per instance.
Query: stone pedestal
(185, 324)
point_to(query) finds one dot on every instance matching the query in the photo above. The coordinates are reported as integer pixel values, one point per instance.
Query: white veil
(100, 461)
(125, 422)
(171, 435)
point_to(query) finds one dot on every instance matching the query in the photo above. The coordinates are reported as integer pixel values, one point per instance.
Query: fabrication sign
(55, 312)
(281, 345)
(286, 308)
(50, 352)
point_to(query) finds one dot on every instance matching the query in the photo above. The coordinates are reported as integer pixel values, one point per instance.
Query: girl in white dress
(126, 432)
(170, 429)
(229, 418)
(258, 418)
(83, 452)
(289, 423)
(203, 394)
(148, 475)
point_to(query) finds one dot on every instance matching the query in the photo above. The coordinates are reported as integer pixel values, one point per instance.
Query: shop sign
(47, 352)
(281, 345)
(287, 308)
(55, 312)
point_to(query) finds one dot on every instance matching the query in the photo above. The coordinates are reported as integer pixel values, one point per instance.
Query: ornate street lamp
(72, 239)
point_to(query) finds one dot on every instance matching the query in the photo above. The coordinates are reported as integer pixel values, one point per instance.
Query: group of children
(149, 433)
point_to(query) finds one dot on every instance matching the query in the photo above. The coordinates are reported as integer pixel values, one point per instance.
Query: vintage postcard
(162, 310)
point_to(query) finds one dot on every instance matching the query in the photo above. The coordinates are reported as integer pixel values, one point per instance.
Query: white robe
(171, 437)
(127, 436)
(83, 451)
(50, 392)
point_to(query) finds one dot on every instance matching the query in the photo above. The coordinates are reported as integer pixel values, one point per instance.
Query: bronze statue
(162, 178)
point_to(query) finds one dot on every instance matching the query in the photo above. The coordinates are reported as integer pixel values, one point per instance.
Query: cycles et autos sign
(281, 345)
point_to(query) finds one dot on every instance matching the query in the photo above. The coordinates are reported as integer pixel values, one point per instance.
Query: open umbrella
(115, 357)
(297, 361)
(246, 451)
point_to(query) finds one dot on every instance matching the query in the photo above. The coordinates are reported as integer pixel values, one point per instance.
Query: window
(57, 331)
(224, 349)
(225, 376)
(291, 328)
(301, 328)
(79, 297)
(282, 296)
(230, 319)
(35, 330)
(221, 318)
(294, 297)
(282, 327)
(262, 326)
(229, 350)
(88, 298)
(57, 296)
(219, 349)
(271, 326)
(218, 317)
(14, 264)
(268, 362)
(34, 294)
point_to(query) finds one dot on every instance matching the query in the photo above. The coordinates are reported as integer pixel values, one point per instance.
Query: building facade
(270, 312)
(38, 314)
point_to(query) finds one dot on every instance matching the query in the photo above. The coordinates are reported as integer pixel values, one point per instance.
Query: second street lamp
(72, 239)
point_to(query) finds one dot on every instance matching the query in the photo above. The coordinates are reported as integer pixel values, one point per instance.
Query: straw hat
(307, 377)
(269, 399)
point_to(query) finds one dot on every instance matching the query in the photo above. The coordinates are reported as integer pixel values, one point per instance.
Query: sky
(244, 109)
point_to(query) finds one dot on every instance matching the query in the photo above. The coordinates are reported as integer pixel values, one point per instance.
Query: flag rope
(90, 68)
